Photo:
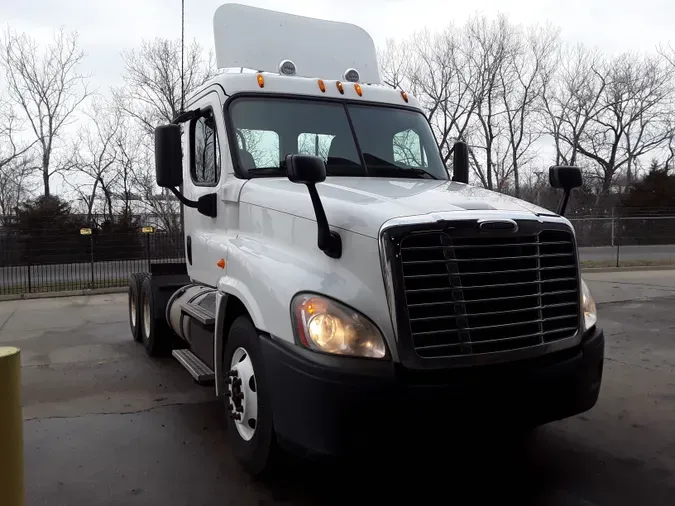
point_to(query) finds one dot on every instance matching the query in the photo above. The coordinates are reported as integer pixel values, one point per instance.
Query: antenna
(182, 56)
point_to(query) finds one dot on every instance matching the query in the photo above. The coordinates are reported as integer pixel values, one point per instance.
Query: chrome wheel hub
(132, 310)
(146, 317)
(242, 393)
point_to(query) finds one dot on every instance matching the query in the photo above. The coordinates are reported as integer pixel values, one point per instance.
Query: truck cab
(337, 276)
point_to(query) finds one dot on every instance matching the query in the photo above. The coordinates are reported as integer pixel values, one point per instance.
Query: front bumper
(335, 405)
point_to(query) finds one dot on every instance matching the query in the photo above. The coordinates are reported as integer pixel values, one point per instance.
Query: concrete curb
(629, 269)
(65, 293)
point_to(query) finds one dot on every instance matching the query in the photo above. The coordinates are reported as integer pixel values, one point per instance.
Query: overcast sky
(107, 27)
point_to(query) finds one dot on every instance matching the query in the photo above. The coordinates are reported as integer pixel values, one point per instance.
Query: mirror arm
(206, 205)
(185, 201)
(562, 205)
(328, 241)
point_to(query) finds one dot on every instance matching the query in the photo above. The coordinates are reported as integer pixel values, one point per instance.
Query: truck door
(203, 170)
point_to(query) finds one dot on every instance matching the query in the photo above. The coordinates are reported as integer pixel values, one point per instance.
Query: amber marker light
(340, 88)
(322, 85)
(261, 81)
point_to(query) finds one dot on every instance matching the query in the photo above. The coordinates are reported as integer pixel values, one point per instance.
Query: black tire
(154, 331)
(259, 455)
(134, 304)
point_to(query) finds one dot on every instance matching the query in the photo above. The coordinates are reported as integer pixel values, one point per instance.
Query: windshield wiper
(381, 165)
(268, 170)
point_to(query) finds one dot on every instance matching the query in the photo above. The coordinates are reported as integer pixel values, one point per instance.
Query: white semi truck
(341, 288)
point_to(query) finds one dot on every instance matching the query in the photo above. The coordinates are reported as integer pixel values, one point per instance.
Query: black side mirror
(309, 170)
(460, 162)
(305, 169)
(168, 156)
(566, 178)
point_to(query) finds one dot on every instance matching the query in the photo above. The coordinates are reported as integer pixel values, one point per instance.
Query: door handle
(189, 249)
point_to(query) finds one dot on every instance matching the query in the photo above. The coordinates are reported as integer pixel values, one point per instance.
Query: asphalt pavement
(107, 425)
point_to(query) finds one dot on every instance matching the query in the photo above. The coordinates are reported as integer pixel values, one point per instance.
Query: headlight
(325, 325)
(588, 306)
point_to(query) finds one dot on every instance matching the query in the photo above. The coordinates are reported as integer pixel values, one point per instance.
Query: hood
(363, 205)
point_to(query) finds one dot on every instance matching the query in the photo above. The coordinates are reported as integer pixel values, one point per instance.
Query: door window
(205, 169)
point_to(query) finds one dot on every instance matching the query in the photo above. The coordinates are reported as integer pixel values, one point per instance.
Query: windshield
(384, 141)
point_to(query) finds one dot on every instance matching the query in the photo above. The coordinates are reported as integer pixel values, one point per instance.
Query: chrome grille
(476, 293)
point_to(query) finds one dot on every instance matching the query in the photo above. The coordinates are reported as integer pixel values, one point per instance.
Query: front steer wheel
(249, 413)
(155, 332)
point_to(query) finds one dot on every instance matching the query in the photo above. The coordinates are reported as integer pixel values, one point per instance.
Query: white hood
(363, 205)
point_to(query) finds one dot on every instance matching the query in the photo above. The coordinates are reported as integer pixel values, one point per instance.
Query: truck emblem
(506, 225)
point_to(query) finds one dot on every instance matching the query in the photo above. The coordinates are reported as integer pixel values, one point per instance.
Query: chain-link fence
(621, 240)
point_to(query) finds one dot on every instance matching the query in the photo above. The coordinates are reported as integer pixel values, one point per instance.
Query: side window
(315, 144)
(262, 145)
(205, 168)
(408, 149)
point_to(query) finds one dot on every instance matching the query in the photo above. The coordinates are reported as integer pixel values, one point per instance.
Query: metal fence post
(147, 248)
(613, 226)
(29, 280)
(91, 247)
(618, 242)
(11, 429)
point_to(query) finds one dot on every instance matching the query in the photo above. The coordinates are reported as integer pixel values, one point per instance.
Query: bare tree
(152, 91)
(571, 99)
(10, 127)
(630, 116)
(16, 163)
(488, 46)
(46, 85)
(95, 156)
(15, 185)
(433, 67)
(524, 76)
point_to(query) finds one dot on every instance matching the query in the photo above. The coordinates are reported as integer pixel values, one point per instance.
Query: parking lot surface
(107, 425)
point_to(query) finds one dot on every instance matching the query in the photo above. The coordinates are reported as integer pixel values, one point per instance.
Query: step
(201, 372)
(203, 316)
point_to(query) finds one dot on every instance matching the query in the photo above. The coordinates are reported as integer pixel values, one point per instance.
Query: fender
(218, 341)
(267, 272)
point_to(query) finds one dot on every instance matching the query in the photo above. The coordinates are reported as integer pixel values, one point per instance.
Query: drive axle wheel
(135, 283)
(249, 413)
(154, 330)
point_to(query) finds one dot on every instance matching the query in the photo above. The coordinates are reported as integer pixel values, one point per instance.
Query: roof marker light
(404, 95)
(358, 89)
(322, 85)
(287, 68)
(340, 88)
(351, 75)
(261, 81)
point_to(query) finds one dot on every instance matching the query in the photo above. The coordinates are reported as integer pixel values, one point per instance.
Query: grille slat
(461, 298)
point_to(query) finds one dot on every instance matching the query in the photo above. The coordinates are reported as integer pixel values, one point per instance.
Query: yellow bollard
(11, 428)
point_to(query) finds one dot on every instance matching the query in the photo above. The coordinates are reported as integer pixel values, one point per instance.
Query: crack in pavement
(105, 413)
(8, 318)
